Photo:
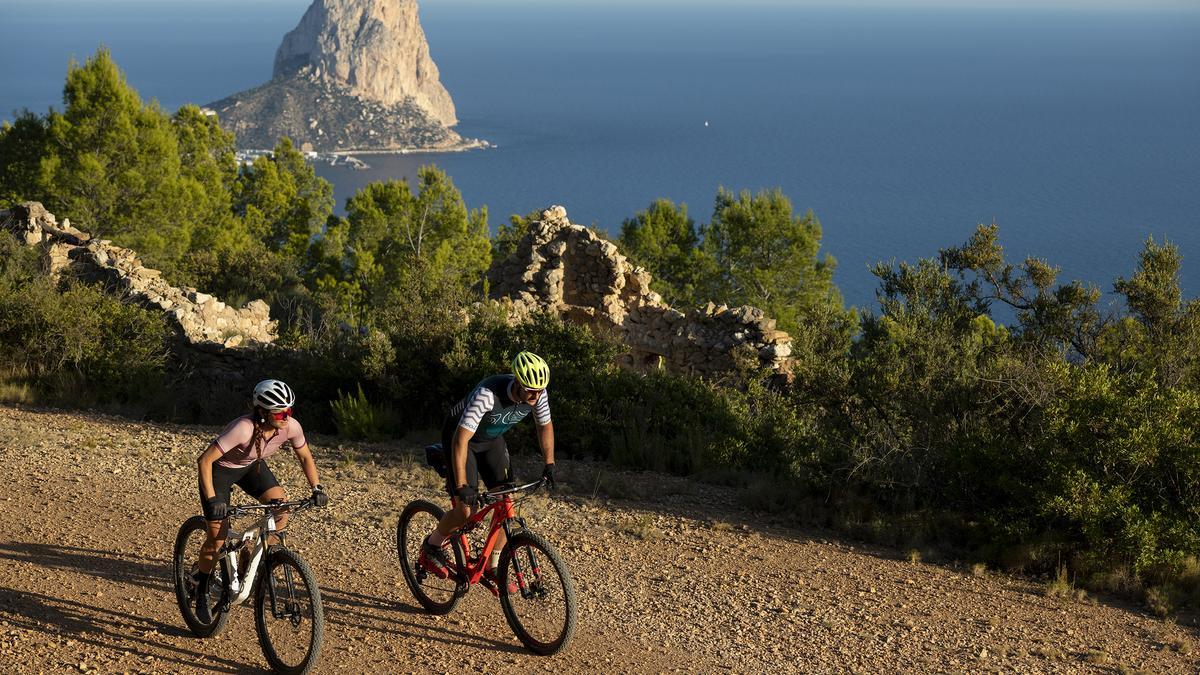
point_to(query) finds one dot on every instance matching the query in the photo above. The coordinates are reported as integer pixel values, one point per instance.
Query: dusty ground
(681, 582)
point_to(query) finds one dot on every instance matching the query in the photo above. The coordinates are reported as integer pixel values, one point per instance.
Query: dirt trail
(91, 505)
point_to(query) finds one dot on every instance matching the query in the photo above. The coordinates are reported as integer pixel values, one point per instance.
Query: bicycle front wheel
(536, 594)
(287, 613)
(436, 594)
(188, 542)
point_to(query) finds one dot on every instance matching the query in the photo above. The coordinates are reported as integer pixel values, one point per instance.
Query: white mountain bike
(287, 602)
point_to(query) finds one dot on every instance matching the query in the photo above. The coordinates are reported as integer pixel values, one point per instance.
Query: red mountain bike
(533, 584)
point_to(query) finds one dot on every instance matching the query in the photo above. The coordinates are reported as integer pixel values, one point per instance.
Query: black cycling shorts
(255, 480)
(485, 459)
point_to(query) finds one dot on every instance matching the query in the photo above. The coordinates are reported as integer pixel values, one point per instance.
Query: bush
(74, 343)
(357, 418)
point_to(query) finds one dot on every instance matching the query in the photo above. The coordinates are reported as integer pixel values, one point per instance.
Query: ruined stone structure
(201, 320)
(558, 267)
(569, 270)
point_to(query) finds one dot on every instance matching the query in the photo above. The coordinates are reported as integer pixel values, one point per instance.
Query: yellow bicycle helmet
(531, 370)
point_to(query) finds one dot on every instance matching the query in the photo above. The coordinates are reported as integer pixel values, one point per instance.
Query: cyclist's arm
(545, 429)
(204, 464)
(308, 464)
(459, 455)
(546, 440)
(474, 408)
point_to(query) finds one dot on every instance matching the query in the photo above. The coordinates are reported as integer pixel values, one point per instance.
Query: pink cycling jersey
(236, 450)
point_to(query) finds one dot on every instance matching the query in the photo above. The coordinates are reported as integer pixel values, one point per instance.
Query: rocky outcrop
(569, 270)
(353, 75)
(201, 321)
(375, 49)
(319, 116)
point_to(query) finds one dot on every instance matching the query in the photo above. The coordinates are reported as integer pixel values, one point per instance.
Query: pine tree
(767, 257)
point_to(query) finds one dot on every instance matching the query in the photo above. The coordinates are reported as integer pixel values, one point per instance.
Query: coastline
(463, 146)
(349, 157)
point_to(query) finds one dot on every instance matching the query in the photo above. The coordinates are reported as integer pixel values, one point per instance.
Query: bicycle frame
(235, 542)
(504, 513)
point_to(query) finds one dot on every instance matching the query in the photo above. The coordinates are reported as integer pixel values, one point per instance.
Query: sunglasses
(278, 415)
(531, 394)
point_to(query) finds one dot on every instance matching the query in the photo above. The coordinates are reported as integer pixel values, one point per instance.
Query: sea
(1074, 127)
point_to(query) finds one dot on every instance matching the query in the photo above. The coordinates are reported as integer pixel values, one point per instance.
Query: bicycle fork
(291, 607)
(532, 586)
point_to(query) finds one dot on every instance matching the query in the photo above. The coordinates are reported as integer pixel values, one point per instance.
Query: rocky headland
(354, 75)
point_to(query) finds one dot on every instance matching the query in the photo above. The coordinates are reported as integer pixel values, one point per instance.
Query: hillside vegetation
(1062, 435)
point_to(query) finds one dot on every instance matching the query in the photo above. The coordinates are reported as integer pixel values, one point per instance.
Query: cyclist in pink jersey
(237, 457)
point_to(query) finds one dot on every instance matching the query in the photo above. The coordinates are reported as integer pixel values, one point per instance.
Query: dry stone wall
(202, 321)
(569, 270)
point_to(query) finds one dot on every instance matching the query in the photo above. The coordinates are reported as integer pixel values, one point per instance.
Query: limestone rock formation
(353, 75)
(200, 320)
(569, 270)
(375, 48)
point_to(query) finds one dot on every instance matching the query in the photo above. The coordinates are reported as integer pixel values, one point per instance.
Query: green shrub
(75, 343)
(357, 418)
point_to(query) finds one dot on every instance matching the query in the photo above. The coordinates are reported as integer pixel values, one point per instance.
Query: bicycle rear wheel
(536, 594)
(188, 542)
(436, 595)
(287, 613)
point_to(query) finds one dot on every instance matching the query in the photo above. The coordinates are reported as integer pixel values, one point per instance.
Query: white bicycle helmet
(273, 395)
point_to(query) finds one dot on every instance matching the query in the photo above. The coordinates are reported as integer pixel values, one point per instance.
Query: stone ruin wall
(200, 319)
(222, 346)
(558, 267)
(567, 269)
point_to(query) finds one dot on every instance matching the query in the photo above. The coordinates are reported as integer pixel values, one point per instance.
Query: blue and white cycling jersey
(489, 409)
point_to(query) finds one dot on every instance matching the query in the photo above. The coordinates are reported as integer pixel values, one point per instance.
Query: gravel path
(684, 582)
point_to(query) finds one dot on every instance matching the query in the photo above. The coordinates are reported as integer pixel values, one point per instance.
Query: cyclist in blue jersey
(473, 435)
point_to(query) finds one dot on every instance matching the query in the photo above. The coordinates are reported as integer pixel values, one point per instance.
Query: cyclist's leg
(261, 484)
(494, 469)
(223, 478)
(434, 551)
(459, 512)
(214, 538)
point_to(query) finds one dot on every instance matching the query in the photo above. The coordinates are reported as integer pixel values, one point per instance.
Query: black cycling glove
(548, 475)
(217, 508)
(319, 498)
(467, 495)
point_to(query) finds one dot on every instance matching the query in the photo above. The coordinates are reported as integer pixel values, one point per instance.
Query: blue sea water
(1076, 130)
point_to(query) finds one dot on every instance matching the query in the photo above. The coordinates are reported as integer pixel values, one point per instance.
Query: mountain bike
(287, 602)
(534, 586)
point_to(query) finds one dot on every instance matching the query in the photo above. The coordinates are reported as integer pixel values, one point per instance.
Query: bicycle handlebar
(496, 495)
(236, 511)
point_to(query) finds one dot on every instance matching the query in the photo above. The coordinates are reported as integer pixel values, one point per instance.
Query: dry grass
(15, 392)
(1181, 646)
(1049, 653)
(347, 457)
(1161, 600)
(721, 526)
(914, 556)
(978, 570)
(1060, 587)
(642, 528)
(1119, 581)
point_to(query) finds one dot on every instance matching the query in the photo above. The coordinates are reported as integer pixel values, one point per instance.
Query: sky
(891, 4)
